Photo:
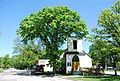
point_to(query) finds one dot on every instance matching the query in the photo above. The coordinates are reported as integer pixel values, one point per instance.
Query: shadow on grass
(111, 78)
(96, 78)
(105, 78)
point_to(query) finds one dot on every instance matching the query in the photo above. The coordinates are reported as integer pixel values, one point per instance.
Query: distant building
(74, 57)
(45, 64)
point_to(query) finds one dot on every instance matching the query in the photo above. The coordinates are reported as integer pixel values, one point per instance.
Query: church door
(75, 63)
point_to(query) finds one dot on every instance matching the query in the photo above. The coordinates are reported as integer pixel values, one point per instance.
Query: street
(24, 75)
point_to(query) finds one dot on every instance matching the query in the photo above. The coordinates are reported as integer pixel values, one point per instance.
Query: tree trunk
(54, 68)
(97, 70)
(115, 68)
(115, 71)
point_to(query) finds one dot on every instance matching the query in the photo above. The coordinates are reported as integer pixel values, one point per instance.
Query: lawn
(96, 78)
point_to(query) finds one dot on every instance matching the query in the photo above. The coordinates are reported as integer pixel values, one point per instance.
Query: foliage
(0, 61)
(6, 62)
(109, 20)
(26, 55)
(106, 41)
(99, 51)
(25, 61)
(1, 70)
(52, 25)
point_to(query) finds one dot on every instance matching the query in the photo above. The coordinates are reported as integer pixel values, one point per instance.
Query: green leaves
(109, 20)
(50, 18)
(106, 40)
(116, 7)
(6, 61)
(26, 54)
(52, 25)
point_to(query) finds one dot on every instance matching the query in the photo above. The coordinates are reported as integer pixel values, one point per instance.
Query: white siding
(46, 64)
(70, 44)
(79, 46)
(48, 68)
(85, 61)
(68, 59)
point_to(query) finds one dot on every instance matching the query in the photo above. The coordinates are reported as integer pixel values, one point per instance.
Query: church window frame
(75, 44)
(69, 64)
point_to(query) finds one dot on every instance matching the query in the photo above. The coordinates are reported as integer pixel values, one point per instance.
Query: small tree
(27, 54)
(6, 61)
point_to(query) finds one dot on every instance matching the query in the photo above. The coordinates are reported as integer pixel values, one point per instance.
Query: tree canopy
(109, 20)
(106, 40)
(52, 25)
(26, 55)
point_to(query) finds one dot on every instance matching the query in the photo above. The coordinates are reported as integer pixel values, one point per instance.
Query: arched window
(69, 64)
(75, 58)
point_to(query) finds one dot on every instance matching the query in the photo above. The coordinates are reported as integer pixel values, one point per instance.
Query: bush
(1, 70)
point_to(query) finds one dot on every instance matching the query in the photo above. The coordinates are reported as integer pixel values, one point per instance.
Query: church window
(69, 64)
(74, 44)
(47, 65)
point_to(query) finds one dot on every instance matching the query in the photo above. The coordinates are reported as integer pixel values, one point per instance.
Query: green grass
(1, 70)
(95, 78)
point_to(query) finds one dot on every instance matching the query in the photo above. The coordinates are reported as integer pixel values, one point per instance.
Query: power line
(9, 3)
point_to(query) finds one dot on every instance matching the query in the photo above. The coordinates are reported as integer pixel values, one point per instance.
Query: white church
(74, 57)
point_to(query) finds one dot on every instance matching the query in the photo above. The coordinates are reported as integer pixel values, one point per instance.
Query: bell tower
(74, 44)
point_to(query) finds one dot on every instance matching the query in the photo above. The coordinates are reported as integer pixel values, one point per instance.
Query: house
(46, 65)
(42, 66)
(74, 58)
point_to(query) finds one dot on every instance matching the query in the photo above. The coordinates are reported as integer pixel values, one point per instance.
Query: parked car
(38, 69)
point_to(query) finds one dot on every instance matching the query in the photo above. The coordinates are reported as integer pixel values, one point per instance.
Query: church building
(74, 57)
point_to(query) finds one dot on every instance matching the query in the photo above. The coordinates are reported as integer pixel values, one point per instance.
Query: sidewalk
(111, 72)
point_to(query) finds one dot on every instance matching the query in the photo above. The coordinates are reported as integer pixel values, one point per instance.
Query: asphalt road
(24, 75)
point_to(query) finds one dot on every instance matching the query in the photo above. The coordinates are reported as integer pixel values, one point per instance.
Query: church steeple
(74, 44)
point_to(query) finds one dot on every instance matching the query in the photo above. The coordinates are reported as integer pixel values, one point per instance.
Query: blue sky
(12, 13)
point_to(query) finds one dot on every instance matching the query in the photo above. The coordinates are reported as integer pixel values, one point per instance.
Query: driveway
(24, 75)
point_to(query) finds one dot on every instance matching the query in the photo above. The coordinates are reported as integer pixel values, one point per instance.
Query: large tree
(52, 25)
(109, 31)
(109, 20)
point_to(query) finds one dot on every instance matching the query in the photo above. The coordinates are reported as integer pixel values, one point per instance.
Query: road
(24, 75)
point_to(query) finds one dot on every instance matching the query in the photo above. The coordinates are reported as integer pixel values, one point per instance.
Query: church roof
(73, 52)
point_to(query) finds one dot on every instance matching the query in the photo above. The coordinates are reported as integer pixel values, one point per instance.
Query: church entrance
(75, 63)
